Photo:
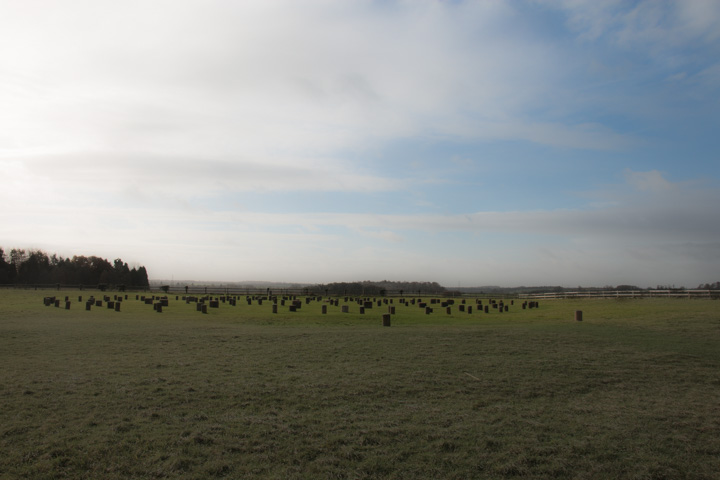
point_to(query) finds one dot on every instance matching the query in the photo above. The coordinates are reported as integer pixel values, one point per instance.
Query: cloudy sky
(508, 143)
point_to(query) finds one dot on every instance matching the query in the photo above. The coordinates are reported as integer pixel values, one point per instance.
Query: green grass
(633, 391)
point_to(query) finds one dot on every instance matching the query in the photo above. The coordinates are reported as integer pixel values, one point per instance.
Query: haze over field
(468, 143)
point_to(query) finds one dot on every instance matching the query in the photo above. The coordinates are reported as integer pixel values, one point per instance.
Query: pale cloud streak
(651, 221)
(273, 78)
(665, 23)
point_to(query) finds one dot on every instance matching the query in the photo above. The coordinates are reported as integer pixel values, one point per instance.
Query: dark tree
(122, 272)
(17, 256)
(101, 270)
(138, 277)
(7, 270)
(35, 268)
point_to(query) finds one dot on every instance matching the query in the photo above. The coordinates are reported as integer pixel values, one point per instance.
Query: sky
(523, 142)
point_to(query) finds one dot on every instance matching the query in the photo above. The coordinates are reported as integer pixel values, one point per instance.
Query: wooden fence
(315, 291)
(673, 293)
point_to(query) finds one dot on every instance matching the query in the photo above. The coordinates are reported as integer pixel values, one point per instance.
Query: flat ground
(633, 391)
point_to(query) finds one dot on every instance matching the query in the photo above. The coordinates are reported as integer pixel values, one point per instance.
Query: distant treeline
(380, 288)
(556, 289)
(541, 289)
(35, 267)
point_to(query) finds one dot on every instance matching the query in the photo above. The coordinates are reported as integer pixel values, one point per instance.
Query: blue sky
(470, 143)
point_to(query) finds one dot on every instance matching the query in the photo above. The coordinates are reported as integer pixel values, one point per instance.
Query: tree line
(35, 267)
(381, 288)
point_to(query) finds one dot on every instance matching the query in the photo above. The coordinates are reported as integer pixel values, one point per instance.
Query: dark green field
(633, 391)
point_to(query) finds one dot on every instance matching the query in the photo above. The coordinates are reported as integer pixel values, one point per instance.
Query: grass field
(633, 391)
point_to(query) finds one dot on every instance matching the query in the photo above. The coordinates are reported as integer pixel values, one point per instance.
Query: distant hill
(383, 287)
(369, 287)
(539, 289)
(498, 289)
(366, 287)
(216, 283)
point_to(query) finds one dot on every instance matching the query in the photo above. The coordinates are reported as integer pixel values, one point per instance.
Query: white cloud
(652, 181)
(272, 79)
(649, 25)
(700, 18)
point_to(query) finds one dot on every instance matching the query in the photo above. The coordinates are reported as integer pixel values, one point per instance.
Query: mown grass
(633, 391)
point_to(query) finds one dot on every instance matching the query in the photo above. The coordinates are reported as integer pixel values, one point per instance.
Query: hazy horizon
(468, 143)
(264, 283)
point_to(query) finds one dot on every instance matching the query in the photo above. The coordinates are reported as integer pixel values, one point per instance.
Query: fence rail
(714, 294)
(62, 286)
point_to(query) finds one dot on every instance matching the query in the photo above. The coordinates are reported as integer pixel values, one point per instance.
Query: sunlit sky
(506, 143)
